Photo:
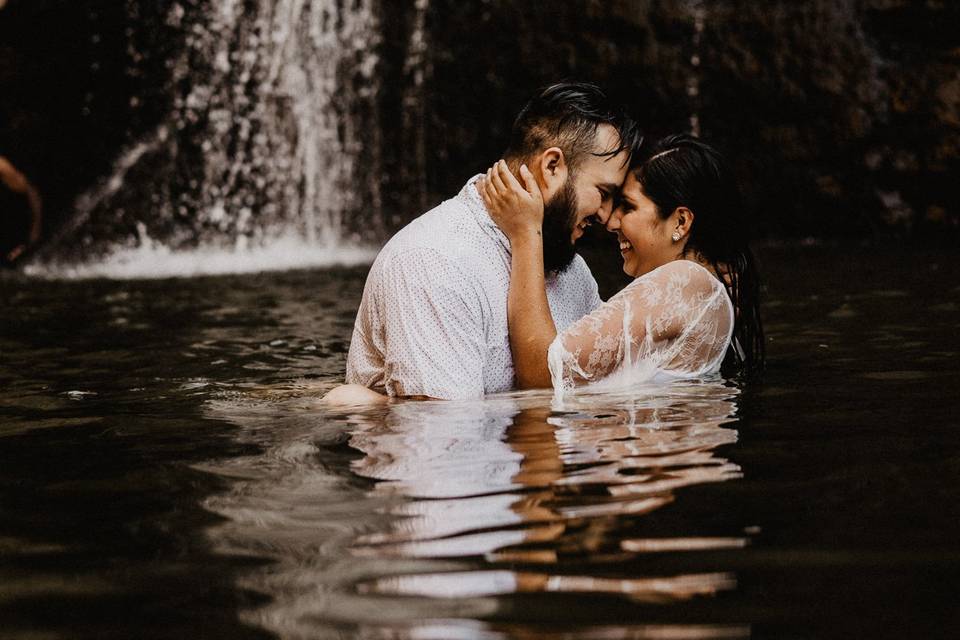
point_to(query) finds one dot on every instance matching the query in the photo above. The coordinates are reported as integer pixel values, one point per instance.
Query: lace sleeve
(676, 318)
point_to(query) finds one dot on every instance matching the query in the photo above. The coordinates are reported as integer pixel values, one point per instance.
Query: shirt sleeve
(433, 328)
(592, 292)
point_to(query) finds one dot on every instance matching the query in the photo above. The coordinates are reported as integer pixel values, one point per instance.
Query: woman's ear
(552, 170)
(683, 222)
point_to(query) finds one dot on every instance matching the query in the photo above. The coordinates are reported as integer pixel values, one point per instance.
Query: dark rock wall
(842, 116)
(73, 90)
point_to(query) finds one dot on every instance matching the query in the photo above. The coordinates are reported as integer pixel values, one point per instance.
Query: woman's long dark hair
(682, 171)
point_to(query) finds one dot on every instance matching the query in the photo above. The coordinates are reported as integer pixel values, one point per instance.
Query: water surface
(167, 471)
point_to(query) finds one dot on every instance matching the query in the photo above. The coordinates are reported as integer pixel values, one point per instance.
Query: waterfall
(416, 69)
(272, 134)
(321, 65)
(699, 13)
(280, 107)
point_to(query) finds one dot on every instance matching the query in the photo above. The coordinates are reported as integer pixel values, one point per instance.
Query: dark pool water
(167, 472)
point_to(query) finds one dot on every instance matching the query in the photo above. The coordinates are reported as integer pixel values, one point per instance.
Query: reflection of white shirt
(433, 318)
(440, 450)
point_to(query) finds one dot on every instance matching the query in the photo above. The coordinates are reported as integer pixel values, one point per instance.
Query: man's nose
(604, 212)
(612, 222)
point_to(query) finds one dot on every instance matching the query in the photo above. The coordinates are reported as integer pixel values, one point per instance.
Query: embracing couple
(486, 293)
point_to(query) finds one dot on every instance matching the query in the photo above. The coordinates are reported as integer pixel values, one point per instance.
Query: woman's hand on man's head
(517, 209)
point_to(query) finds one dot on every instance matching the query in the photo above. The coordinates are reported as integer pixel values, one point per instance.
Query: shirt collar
(470, 197)
(475, 205)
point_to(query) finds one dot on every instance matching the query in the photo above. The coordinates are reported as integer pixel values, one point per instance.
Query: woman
(693, 307)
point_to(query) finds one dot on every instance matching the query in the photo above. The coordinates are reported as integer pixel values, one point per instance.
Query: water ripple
(442, 502)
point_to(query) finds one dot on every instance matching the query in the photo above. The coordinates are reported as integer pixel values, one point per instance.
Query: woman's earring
(676, 236)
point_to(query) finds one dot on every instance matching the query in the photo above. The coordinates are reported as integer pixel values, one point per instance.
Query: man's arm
(36, 209)
(353, 395)
(18, 183)
(11, 177)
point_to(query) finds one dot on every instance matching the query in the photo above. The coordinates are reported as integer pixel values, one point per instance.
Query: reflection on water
(459, 584)
(166, 472)
(446, 508)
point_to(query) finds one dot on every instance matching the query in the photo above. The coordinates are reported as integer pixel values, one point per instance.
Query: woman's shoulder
(684, 276)
(689, 270)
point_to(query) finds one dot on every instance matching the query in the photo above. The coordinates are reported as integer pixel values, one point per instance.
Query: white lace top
(674, 322)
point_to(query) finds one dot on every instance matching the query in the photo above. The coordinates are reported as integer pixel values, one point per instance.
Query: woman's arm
(518, 211)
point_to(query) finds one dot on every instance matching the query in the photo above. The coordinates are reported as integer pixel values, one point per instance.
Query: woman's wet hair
(682, 171)
(567, 115)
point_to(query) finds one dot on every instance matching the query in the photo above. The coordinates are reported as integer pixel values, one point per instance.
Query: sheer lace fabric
(674, 322)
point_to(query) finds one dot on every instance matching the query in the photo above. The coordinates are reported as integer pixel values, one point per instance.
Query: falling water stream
(698, 11)
(272, 145)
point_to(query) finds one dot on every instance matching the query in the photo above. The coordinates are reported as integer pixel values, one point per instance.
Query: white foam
(153, 260)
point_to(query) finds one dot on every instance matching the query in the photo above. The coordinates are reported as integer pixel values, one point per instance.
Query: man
(433, 319)
(20, 213)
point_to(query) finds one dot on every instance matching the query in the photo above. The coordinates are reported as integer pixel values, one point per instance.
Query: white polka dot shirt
(433, 318)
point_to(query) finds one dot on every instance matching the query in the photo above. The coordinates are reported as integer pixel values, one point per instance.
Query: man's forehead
(604, 165)
(606, 141)
(604, 171)
(608, 137)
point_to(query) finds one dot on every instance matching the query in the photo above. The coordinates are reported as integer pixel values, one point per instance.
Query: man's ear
(551, 172)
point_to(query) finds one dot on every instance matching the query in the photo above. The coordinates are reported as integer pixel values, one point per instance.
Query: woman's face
(645, 238)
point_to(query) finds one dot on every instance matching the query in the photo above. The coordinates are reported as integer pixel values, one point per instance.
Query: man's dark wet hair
(567, 115)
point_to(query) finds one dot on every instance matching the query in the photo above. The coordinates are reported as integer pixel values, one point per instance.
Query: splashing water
(155, 260)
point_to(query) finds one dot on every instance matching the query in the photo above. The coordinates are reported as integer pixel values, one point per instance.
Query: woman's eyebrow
(625, 198)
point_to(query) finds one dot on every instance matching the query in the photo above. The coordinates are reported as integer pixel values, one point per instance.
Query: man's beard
(559, 216)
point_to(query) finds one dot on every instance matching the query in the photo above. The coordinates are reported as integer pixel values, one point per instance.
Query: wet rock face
(74, 90)
(915, 151)
(861, 99)
(841, 116)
